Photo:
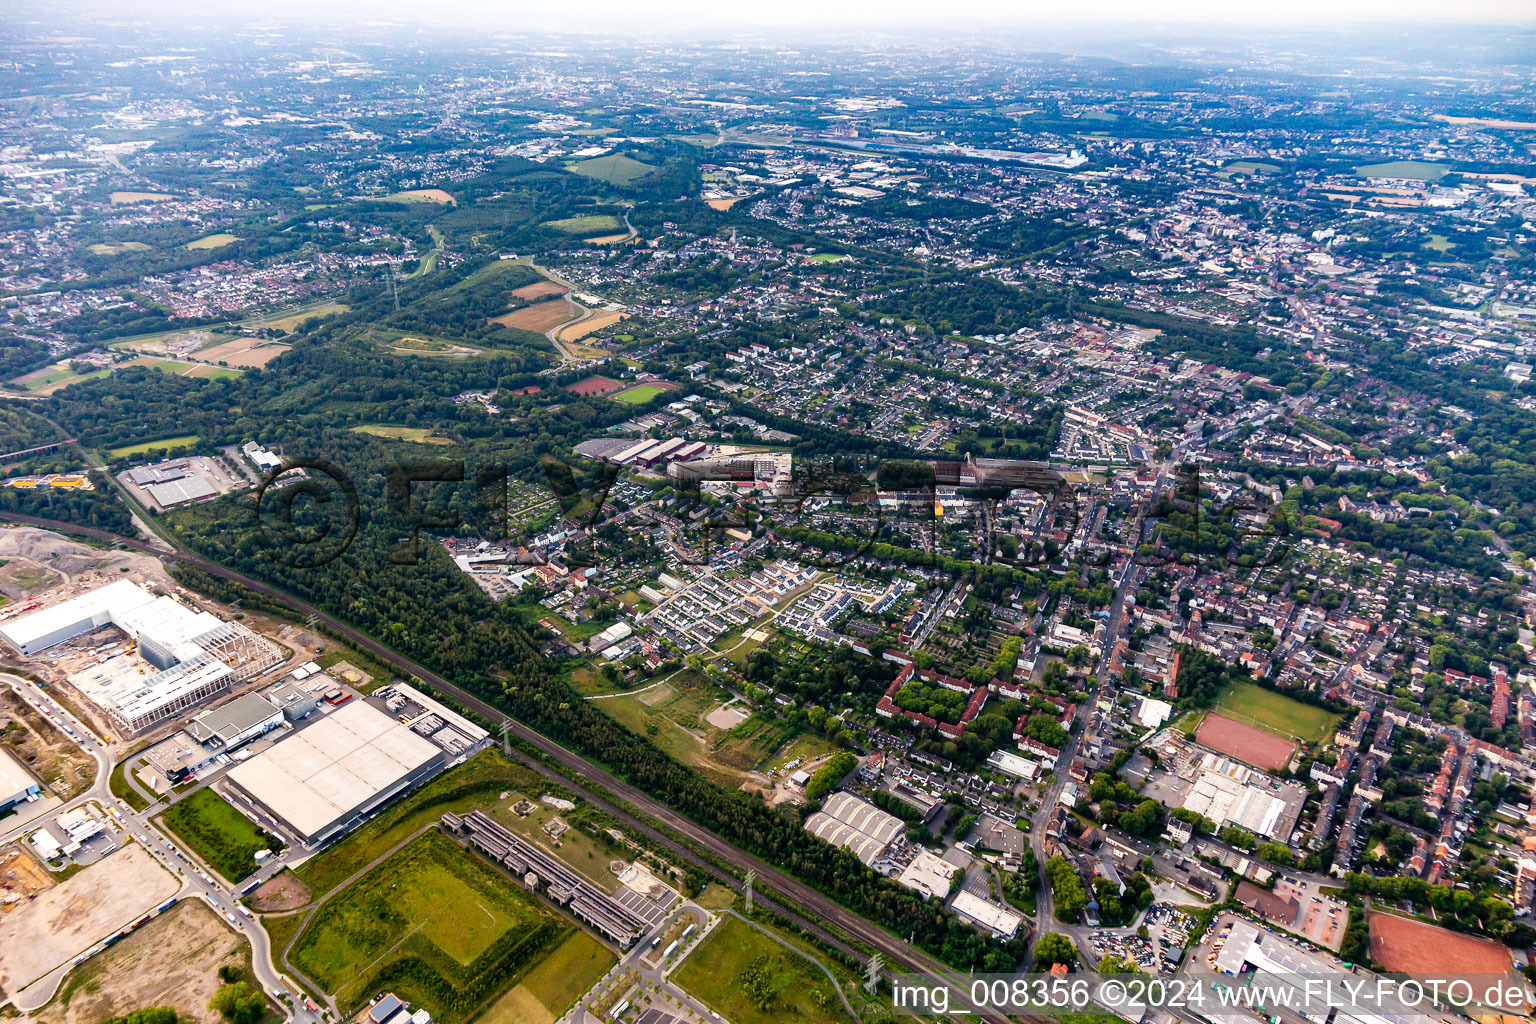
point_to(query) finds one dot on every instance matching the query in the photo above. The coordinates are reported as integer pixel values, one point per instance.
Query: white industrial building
(1230, 793)
(994, 917)
(17, 785)
(847, 821)
(325, 778)
(191, 655)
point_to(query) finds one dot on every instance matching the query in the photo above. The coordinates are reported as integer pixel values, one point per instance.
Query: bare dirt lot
(538, 290)
(1249, 745)
(1413, 947)
(280, 892)
(21, 877)
(77, 913)
(42, 746)
(539, 317)
(20, 578)
(173, 960)
(243, 352)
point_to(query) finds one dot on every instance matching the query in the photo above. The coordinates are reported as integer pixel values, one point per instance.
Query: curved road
(798, 894)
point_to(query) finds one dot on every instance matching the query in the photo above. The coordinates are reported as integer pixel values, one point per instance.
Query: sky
(946, 16)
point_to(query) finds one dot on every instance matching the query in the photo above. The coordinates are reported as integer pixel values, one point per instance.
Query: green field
(435, 924)
(640, 395)
(169, 443)
(591, 224)
(553, 987)
(1416, 170)
(1273, 712)
(223, 837)
(789, 986)
(171, 366)
(1439, 243)
(615, 168)
(217, 241)
(1251, 167)
(830, 257)
(419, 435)
(473, 784)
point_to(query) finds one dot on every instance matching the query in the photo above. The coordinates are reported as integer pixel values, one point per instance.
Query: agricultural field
(475, 783)
(435, 924)
(1251, 167)
(419, 435)
(640, 395)
(554, 986)
(538, 290)
(421, 195)
(212, 373)
(751, 978)
(539, 317)
(217, 241)
(599, 319)
(128, 451)
(615, 168)
(590, 224)
(1276, 713)
(1415, 170)
(243, 352)
(223, 837)
(55, 378)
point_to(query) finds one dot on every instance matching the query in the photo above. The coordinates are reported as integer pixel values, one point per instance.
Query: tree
(237, 1004)
(1113, 964)
(1055, 948)
(148, 1015)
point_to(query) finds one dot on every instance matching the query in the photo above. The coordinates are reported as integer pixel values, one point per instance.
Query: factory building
(17, 785)
(324, 779)
(192, 655)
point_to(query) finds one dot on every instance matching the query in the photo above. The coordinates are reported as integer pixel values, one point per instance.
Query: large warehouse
(16, 783)
(845, 820)
(327, 777)
(181, 658)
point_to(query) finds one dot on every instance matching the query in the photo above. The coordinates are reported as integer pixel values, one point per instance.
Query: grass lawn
(1439, 243)
(420, 435)
(217, 241)
(1416, 170)
(718, 966)
(223, 837)
(591, 224)
(1251, 167)
(640, 395)
(172, 366)
(476, 783)
(615, 168)
(127, 451)
(1276, 713)
(435, 923)
(554, 986)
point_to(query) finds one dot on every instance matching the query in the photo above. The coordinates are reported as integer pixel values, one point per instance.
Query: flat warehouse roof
(329, 770)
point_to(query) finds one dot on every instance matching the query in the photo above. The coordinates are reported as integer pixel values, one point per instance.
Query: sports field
(1276, 713)
(127, 451)
(225, 839)
(595, 386)
(434, 923)
(640, 395)
(615, 168)
(1244, 742)
(735, 955)
(1413, 947)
